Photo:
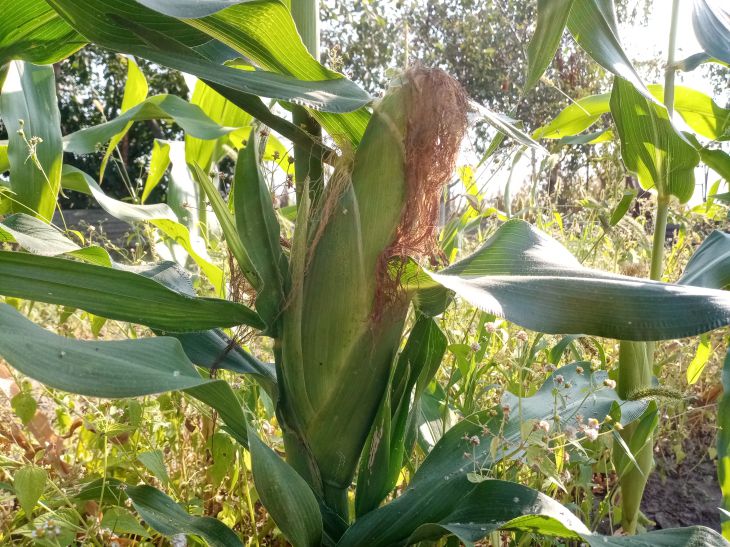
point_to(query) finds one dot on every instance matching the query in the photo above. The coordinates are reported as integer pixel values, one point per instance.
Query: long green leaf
(525, 276)
(552, 16)
(36, 236)
(448, 493)
(593, 25)
(125, 26)
(159, 162)
(188, 116)
(159, 215)
(32, 31)
(709, 266)
(189, 8)
(115, 294)
(167, 517)
(651, 147)
(228, 225)
(286, 496)
(29, 98)
(711, 22)
(257, 225)
(120, 368)
(698, 110)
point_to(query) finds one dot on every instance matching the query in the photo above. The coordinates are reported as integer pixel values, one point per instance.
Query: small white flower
(591, 434)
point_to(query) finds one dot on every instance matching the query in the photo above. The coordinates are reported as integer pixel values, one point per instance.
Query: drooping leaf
(257, 225)
(552, 16)
(286, 496)
(702, 355)
(128, 27)
(622, 207)
(167, 517)
(160, 215)
(30, 113)
(710, 264)
(36, 236)
(115, 294)
(651, 147)
(711, 22)
(135, 91)
(530, 279)
(32, 31)
(159, 162)
(719, 160)
(593, 25)
(188, 116)
(454, 494)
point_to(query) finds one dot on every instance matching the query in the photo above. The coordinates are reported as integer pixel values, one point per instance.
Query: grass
(176, 444)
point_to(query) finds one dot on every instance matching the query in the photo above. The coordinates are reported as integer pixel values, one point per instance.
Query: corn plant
(348, 303)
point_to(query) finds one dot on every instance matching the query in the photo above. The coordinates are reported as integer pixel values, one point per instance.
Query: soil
(685, 493)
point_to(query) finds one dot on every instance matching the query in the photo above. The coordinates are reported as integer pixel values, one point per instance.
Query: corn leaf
(128, 27)
(448, 491)
(697, 109)
(159, 162)
(228, 225)
(189, 8)
(593, 25)
(709, 266)
(29, 94)
(552, 16)
(711, 22)
(167, 517)
(382, 457)
(40, 238)
(188, 116)
(651, 147)
(220, 110)
(32, 31)
(257, 225)
(530, 279)
(135, 91)
(115, 294)
(159, 215)
(286, 496)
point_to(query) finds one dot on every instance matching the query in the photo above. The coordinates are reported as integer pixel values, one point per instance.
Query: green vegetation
(319, 339)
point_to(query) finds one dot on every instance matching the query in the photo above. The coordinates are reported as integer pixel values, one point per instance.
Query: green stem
(636, 359)
(308, 162)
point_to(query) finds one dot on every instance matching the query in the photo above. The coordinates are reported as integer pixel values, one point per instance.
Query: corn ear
(352, 313)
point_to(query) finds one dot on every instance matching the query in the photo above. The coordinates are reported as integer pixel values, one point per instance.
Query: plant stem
(636, 359)
(308, 162)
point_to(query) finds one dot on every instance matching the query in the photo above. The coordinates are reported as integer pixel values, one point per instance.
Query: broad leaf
(651, 147)
(710, 264)
(593, 25)
(32, 31)
(189, 8)
(160, 215)
(188, 116)
(115, 294)
(286, 496)
(125, 26)
(711, 22)
(257, 225)
(30, 111)
(698, 110)
(167, 517)
(552, 16)
(532, 280)
(454, 494)
(36, 236)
